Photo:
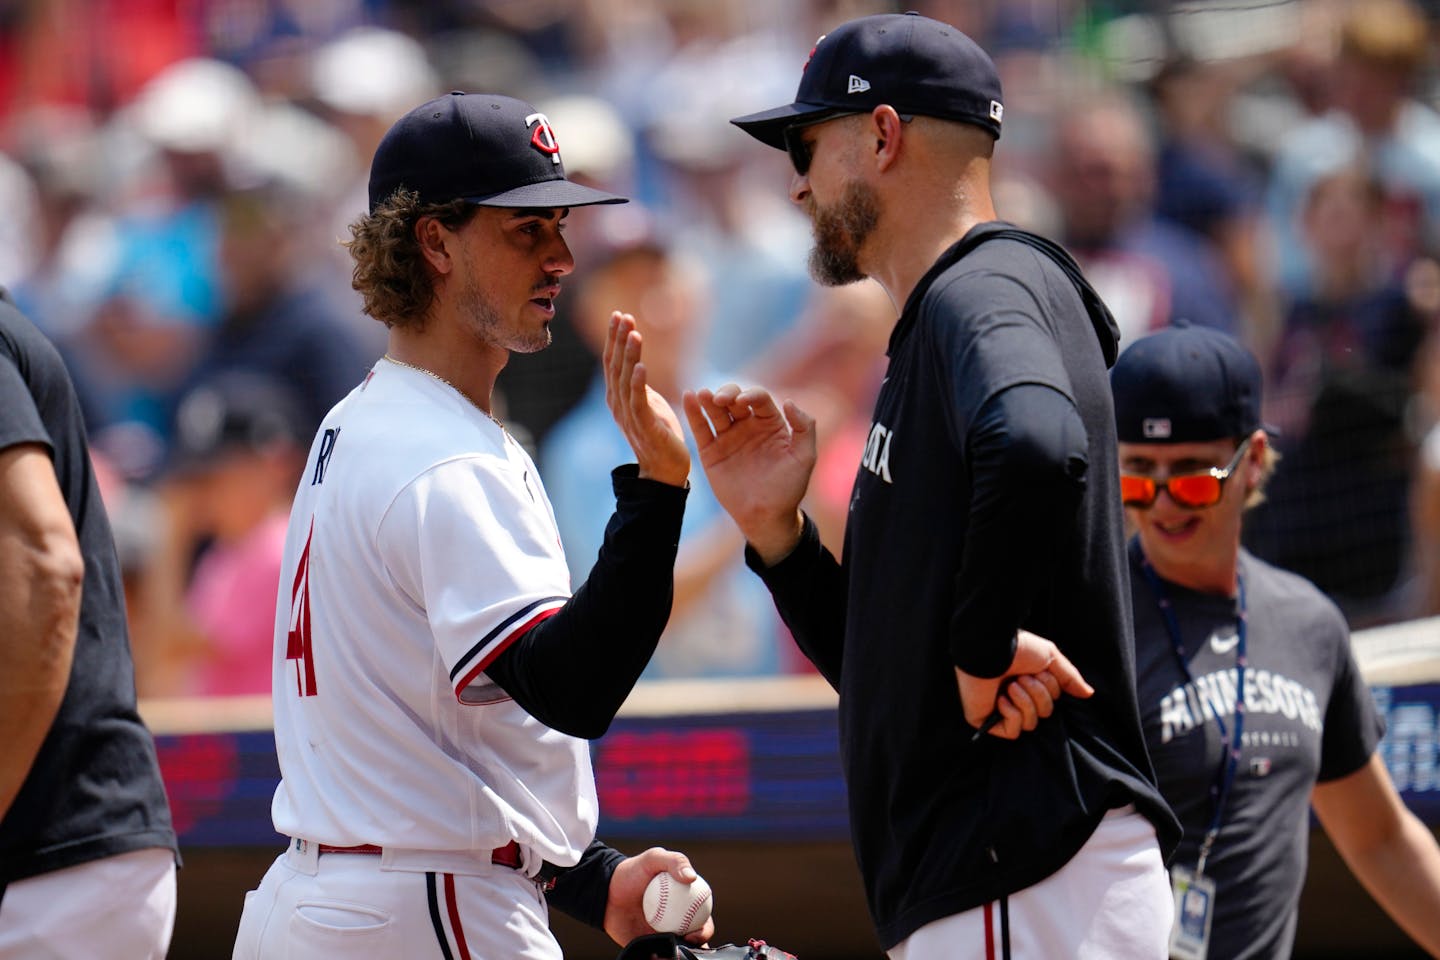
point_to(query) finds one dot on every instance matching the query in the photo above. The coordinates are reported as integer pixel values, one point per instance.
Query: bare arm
(41, 573)
(1386, 846)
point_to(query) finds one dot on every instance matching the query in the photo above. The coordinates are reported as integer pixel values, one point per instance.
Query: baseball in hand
(675, 907)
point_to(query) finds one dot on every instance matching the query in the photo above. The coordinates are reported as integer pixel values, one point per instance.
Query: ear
(433, 238)
(887, 128)
(1255, 459)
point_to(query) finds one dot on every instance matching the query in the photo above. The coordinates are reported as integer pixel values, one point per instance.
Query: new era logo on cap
(997, 112)
(858, 84)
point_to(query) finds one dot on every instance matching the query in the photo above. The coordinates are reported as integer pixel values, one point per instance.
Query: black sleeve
(583, 891)
(573, 670)
(1028, 461)
(809, 590)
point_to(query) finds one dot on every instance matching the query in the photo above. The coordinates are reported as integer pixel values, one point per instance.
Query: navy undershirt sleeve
(572, 671)
(809, 590)
(583, 891)
(1027, 455)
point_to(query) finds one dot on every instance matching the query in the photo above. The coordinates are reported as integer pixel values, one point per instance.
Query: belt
(362, 848)
(506, 856)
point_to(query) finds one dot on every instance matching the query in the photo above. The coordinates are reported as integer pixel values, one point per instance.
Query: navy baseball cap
(914, 64)
(1186, 384)
(486, 149)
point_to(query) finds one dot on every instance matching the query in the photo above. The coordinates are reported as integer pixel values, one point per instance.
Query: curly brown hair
(390, 272)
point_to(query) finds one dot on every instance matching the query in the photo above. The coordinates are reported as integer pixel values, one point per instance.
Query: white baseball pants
(314, 906)
(1111, 900)
(120, 906)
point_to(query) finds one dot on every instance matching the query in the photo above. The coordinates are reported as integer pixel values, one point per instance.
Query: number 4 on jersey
(298, 645)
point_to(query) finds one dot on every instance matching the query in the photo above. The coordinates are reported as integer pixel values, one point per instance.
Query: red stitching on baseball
(690, 914)
(664, 895)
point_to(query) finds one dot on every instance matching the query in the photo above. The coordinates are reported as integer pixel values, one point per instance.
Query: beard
(487, 323)
(840, 232)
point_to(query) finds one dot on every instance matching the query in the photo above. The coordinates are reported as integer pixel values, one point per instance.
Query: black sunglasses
(795, 145)
(801, 153)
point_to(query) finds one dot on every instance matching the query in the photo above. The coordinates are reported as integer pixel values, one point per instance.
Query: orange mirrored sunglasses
(1190, 490)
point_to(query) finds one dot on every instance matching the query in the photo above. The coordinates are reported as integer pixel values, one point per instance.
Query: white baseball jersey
(421, 544)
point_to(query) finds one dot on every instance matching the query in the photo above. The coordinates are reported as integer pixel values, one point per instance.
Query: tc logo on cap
(542, 138)
(1155, 428)
(812, 52)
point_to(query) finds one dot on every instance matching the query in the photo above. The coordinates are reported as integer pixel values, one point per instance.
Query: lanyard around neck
(1225, 776)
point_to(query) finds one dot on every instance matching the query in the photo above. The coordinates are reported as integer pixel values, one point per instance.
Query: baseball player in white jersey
(435, 681)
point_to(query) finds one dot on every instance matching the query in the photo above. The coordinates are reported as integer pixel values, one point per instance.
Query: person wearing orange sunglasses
(1253, 707)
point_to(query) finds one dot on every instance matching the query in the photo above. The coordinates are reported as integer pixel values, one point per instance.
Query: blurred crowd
(178, 177)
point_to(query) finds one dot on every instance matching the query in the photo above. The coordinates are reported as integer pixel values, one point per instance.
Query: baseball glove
(667, 946)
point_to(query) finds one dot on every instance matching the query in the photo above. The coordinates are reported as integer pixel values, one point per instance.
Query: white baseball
(675, 907)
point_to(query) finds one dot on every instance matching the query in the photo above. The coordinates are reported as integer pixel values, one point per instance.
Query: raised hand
(758, 460)
(650, 426)
(1038, 675)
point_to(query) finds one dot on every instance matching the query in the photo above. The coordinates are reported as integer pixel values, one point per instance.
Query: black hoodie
(987, 500)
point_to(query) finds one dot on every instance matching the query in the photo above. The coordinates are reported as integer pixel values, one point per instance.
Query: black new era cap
(915, 64)
(490, 150)
(1185, 384)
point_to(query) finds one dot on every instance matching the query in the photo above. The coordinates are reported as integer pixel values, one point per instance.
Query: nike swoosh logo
(1223, 647)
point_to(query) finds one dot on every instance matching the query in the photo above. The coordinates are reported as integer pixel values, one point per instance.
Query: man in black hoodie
(985, 516)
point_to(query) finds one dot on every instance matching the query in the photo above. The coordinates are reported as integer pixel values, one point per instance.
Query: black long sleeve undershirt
(583, 891)
(573, 670)
(809, 591)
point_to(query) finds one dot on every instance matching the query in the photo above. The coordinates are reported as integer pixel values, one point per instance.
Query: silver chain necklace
(493, 419)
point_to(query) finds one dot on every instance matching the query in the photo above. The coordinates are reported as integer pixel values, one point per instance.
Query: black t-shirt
(1308, 717)
(987, 500)
(95, 789)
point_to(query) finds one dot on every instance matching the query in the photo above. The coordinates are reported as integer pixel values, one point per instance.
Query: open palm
(649, 424)
(757, 457)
